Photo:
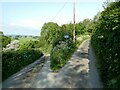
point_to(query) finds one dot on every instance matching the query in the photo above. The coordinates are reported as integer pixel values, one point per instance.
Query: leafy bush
(106, 43)
(5, 41)
(60, 54)
(13, 61)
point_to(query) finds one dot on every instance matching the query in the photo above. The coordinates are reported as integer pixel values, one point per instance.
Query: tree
(96, 17)
(49, 32)
(67, 29)
(80, 28)
(5, 40)
(84, 27)
(106, 3)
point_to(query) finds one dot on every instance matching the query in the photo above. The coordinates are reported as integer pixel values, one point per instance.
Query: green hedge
(14, 61)
(106, 43)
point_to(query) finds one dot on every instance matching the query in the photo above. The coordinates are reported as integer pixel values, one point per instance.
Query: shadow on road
(25, 77)
(79, 72)
(75, 74)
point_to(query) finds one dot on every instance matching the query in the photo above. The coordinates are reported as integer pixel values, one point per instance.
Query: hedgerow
(106, 43)
(14, 61)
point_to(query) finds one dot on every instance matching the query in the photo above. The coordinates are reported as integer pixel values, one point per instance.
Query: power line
(59, 11)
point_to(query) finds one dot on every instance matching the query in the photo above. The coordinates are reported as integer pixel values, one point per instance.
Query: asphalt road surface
(79, 72)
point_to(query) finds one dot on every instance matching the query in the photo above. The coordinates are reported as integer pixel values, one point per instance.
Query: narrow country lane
(79, 72)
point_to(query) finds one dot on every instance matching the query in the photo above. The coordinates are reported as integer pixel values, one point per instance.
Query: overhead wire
(59, 11)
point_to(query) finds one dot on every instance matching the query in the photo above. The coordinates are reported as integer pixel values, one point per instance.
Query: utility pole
(74, 37)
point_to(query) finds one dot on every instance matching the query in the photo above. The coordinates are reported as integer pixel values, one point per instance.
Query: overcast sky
(27, 18)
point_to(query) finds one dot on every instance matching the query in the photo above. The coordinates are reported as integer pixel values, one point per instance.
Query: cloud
(20, 29)
(27, 23)
(15, 29)
(23, 27)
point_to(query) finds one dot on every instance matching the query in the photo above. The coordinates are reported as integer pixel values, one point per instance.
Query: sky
(27, 18)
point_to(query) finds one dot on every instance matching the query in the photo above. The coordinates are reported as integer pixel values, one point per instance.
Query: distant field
(23, 40)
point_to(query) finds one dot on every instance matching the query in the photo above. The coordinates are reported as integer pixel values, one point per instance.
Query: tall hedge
(106, 43)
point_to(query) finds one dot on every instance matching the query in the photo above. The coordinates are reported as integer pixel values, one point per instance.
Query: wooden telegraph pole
(74, 36)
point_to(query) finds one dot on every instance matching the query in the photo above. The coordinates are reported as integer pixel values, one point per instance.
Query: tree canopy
(50, 31)
(5, 40)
